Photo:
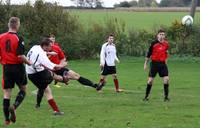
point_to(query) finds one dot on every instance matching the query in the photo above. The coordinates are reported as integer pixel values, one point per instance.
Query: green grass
(138, 20)
(85, 108)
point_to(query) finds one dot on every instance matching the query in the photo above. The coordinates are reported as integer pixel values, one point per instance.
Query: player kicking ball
(108, 58)
(41, 73)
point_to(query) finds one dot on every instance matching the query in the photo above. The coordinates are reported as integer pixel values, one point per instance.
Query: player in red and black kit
(12, 59)
(57, 56)
(158, 55)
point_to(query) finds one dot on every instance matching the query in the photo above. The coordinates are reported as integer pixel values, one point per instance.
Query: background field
(85, 108)
(139, 20)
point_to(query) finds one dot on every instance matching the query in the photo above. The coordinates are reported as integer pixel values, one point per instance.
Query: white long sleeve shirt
(108, 54)
(39, 59)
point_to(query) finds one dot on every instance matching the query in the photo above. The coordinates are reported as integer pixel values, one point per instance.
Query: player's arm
(149, 53)
(20, 52)
(102, 56)
(167, 52)
(116, 58)
(25, 59)
(146, 63)
(51, 53)
(63, 60)
(44, 60)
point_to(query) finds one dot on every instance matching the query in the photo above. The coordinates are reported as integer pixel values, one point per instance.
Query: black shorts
(107, 70)
(13, 73)
(62, 71)
(158, 67)
(41, 79)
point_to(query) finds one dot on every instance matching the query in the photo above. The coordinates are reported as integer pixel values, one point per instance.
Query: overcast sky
(107, 3)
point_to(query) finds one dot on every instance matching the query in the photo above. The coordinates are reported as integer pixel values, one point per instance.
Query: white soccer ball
(187, 20)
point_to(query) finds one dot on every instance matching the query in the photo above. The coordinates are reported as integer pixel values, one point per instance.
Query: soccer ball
(187, 20)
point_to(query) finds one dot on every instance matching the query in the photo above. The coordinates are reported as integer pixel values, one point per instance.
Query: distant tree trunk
(193, 8)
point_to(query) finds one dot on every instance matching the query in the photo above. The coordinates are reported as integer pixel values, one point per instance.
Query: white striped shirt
(40, 60)
(108, 54)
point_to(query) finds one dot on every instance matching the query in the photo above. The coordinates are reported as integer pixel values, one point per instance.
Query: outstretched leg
(82, 80)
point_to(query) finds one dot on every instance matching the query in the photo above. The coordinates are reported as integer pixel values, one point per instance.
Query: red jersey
(11, 46)
(158, 51)
(60, 54)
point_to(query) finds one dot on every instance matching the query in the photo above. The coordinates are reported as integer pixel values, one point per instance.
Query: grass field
(85, 108)
(138, 20)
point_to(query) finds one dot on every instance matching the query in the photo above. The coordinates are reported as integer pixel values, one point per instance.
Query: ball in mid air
(187, 20)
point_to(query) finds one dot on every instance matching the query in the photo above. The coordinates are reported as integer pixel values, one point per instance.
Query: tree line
(154, 3)
(80, 42)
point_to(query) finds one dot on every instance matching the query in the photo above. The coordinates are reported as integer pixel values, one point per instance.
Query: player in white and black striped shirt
(108, 58)
(40, 73)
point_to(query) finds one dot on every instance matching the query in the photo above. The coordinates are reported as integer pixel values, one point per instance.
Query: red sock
(101, 81)
(116, 84)
(53, 105)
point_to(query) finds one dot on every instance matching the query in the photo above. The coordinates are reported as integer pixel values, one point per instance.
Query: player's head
(14, 23)
(46, 43)
(111, 38)
(161, 35)
(52, 37)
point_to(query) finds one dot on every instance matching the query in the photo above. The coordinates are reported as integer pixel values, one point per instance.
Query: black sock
(166, 90)
(86, 82)
(19, 98)
(148, 90)
(40, 94)
(6, 105)
(55, 82)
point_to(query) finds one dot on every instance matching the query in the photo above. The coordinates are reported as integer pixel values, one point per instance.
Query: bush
(80, 42)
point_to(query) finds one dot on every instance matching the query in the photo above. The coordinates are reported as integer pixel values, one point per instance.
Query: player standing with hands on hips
(108, 58)
(158, 55)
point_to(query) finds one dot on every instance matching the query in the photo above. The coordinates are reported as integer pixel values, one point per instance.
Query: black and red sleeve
(20, 48)
(149, 52)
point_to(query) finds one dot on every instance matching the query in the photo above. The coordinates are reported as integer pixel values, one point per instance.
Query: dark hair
(45, 41)
(161, 30)
(13, 22)
(111, 35)
(51, 35)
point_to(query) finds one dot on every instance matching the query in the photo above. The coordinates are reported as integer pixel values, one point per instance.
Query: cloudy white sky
(107, 3)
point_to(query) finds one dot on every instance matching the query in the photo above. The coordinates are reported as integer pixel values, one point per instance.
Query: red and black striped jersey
(56, 59)
(11, 46)
(158, 51)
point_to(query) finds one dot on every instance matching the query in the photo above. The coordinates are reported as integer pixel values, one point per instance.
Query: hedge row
(83, 42)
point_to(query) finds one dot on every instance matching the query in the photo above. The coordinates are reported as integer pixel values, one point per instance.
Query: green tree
(123, 4)
(154, 3)
(141, 3)
(174, 3)
(133, 3)
(88, 3)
